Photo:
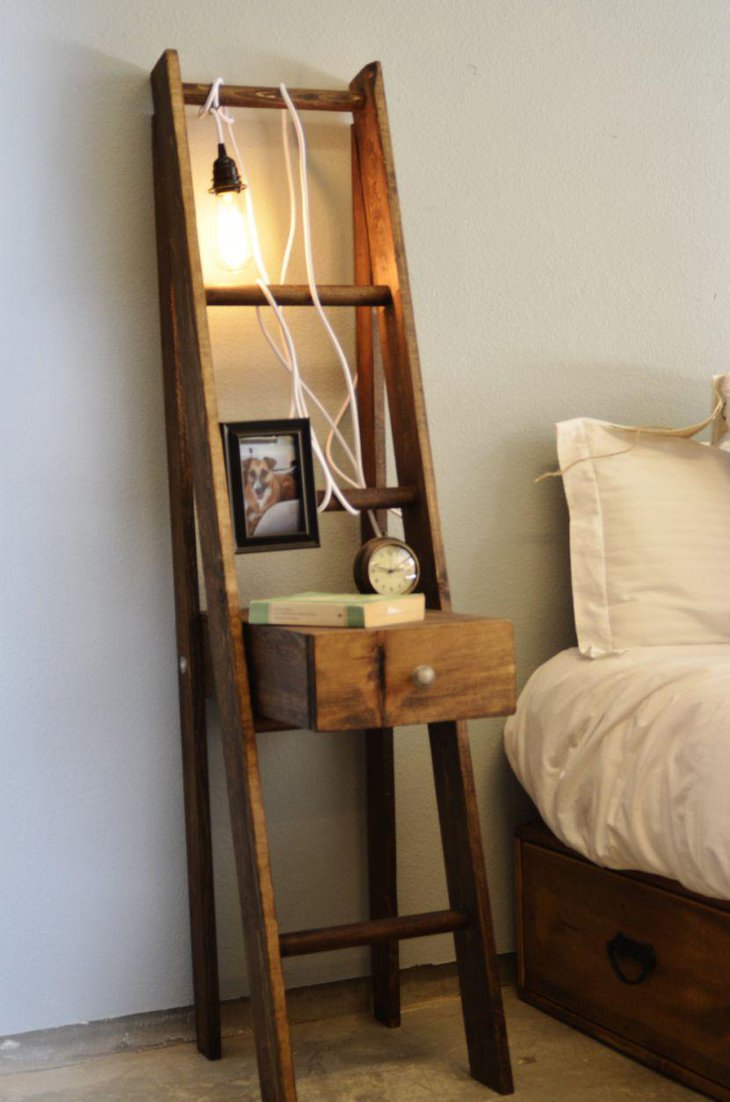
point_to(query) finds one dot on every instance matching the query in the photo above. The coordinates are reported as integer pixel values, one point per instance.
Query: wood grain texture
(379, 746)
(190, 662)
(466, 879)
(322, 680)
(261, 933)
(519, 915)
(479, 981)
(279, 665)
(473, 662)
(370, 381)
(397, 333)
(382, 870)
(304, 99)
(365, 933)
(537, 833)
(344, 679)
(345, 686)
(680, 1014)
(628, 1047)
(298, 295)
(376, 497)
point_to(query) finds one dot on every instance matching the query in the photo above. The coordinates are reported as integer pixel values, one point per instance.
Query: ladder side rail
(370, 382)
(468, 891)
(191, 669)
(451, 758)
(382, 870)
(261, 933)
(379, 748)
(398, 337)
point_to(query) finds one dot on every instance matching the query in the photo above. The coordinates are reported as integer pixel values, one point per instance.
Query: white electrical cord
(286, 353)
(350, 401)
(311, 279)
(334, 430)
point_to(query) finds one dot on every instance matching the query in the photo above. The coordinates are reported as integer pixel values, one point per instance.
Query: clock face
(392, 569)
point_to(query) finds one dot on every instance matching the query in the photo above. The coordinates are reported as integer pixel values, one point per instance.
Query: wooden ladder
(198, 489)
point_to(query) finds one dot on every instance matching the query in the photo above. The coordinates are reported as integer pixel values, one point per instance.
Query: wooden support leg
(480, 991)
(181, 261)
(190, 682)
(378, 742)
(481, 995)
(382, 871)
(260, 928)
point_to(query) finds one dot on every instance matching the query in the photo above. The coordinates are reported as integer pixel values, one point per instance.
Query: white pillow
(649, 537)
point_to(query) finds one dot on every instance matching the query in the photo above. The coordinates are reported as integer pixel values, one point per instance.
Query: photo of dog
(263, 487)
(271, 485)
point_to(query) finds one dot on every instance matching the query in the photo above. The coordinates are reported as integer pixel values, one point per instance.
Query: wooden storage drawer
(677, 1018)
(332, 679)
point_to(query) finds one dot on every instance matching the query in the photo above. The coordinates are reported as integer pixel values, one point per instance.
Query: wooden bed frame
(634, 960)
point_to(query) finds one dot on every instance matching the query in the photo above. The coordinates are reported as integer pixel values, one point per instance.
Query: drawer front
(341, 679)
(319, 682)
(345, 689)
(571, 910)
(448, 671)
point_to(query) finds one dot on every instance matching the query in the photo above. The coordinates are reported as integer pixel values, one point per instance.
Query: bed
(627, 759)
(623, 744)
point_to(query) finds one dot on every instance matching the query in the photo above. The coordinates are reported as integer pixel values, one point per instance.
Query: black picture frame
(271, 484)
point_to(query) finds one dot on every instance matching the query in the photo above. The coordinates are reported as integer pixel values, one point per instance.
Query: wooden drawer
(332, 679)
(677, 1019)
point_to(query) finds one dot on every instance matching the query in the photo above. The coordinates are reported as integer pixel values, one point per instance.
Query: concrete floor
(352, 1059)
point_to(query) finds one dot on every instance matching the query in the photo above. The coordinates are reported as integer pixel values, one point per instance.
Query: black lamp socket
(225, 173)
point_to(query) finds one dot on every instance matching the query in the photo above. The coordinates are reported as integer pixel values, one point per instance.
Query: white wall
(564, 171)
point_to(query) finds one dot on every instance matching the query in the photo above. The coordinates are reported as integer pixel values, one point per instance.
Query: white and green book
(340, 610)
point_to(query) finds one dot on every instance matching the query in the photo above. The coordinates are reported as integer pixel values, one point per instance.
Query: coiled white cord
(311, 279)
(285, 352)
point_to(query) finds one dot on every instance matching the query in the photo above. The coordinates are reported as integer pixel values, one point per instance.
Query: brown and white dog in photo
(263, 487)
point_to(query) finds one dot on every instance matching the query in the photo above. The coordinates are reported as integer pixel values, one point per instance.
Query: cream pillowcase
(649, 537)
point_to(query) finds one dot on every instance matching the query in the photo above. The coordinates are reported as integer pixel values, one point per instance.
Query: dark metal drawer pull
(622, 947)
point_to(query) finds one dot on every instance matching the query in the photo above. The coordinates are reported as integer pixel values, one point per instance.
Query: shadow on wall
(535, 556)
(532, 555)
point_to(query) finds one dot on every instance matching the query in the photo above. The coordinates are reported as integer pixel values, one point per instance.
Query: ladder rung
(292, 294)
(304, 99)
(377, 497)
(368, 933)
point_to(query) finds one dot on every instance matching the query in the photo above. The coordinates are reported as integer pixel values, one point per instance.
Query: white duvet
(628, 759)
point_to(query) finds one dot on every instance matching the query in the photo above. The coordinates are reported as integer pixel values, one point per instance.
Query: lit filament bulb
(231, 236)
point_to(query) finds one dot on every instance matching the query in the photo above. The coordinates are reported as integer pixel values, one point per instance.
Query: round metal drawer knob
(423, 676)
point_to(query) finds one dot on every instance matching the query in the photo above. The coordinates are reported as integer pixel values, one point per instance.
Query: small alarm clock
(387, 566)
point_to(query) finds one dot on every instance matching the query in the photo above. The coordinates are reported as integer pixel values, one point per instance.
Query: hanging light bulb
(232, 248)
